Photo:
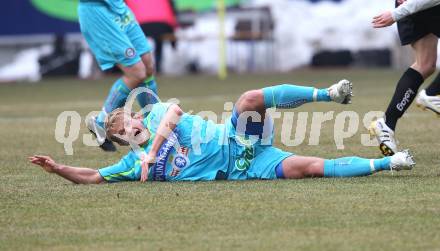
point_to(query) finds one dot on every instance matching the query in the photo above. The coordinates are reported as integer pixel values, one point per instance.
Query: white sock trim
(372, 168)
(315, 94)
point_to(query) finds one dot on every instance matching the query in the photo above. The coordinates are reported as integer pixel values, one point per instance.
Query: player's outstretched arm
(77, 175)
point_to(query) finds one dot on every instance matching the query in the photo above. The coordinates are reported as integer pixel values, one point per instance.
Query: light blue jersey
(193, 151)
(199, 150)
(118, 6)
(112, 32)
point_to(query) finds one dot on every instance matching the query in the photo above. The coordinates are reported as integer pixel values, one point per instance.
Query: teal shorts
(254, 157)
(113, 38)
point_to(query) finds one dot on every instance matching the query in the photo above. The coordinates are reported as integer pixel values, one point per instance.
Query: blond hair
(114, 118)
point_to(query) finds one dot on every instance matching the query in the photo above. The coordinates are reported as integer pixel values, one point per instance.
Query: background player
(159, 23)
(418, 24)
(115, 38)
(170, 139)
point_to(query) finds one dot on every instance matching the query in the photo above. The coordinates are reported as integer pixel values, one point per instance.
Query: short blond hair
(111, 120)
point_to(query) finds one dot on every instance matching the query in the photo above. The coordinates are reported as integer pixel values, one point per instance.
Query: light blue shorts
(256, 158)
(113, 38)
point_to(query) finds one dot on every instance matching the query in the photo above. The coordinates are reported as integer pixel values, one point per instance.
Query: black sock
(404, 95)
(434, 88)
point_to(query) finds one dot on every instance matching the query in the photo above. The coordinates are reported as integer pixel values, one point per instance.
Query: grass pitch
(38, 211)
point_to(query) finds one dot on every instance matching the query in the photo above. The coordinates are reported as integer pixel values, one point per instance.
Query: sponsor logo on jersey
(180, 161)
(244, 161)
(124, 20)
(159, 169)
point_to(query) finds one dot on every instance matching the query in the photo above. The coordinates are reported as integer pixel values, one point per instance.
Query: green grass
(38, 211)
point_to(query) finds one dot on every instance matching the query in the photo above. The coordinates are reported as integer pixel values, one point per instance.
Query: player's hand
(45, 162)
(383, 20)
(400, 1)
(147, 161)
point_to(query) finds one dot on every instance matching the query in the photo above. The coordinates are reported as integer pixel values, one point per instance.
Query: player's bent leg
(250, 109)
(291, 96)
(249, 114)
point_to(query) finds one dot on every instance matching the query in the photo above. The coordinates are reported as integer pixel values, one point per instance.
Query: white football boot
(402, 161)
(385, 136)
(428, 102)
(341, 92)
(100, 135)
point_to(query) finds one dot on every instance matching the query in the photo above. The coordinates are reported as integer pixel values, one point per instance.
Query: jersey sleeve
(127, 169)
(412, 6)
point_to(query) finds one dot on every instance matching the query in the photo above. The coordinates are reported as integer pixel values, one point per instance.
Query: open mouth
(140, 136)
(137, 133)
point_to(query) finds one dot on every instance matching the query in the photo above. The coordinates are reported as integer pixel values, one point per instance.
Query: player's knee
(429, 69)
(148, 62)
(149, 71)
(427, 66)
(96, 178)
(314, 169)
(293, 172)
(252, 100)
(139, 75)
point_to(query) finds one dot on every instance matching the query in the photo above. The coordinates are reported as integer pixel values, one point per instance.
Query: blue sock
(145, 99)
(291, 96)
(355, 166)
(116, 98)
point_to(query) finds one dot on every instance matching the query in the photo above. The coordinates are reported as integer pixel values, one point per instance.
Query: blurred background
(41, 37)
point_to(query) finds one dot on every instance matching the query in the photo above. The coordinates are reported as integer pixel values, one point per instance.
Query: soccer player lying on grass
(174, 146)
